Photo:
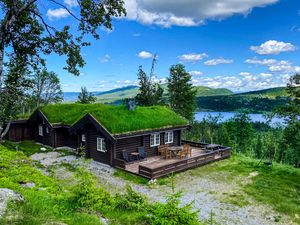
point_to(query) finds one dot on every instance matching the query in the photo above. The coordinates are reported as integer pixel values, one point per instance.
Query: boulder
(7, 195)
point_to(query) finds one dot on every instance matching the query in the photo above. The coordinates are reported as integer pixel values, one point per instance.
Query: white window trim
(40, 130)
(154, 139)
(100, 145)
(168, 135)
(83, 138)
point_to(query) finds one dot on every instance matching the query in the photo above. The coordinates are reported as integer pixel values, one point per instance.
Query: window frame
(168, 135)
(154, 138)
(83, 138)
(102, 144)
(41, 131)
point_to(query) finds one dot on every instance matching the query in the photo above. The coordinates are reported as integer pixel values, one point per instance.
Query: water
(255, 117)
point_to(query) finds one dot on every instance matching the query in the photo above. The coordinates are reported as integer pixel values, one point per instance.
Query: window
(169, 137)
(154, 140)
(101, 147)
(47, 130)
(41, 130)
(83, 138)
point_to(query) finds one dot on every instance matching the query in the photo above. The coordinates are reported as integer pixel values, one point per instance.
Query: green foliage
(229, 103)
(181, 94)
(87, 194)
(172, 213)
(131, 200)
(116, 119)
(46, 89)
(150, 93)
(85, 97)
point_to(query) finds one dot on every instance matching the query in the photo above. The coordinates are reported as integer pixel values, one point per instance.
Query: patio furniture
(162, 150)
(168, 153)
(142, 153)
(126, 157)
(135, 155)
(175, 150)
(188, 150)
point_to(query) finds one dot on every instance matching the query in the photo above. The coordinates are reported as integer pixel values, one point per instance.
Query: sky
(241, 45)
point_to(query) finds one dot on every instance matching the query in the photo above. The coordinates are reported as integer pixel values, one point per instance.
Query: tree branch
(66, 8)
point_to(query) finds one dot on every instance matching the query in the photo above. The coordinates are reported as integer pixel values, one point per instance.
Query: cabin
(130, 138)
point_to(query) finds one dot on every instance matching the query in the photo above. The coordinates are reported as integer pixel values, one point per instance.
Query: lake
(255, 117)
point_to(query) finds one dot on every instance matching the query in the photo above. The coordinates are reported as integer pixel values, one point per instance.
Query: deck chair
(167, 154)
(142, 153)
(161, 150)
(126, 157)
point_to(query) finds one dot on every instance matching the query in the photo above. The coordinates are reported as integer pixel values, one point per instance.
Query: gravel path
(206, 193)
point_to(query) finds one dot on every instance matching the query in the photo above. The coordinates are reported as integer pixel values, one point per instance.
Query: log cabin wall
(19, 131)
(91, 144)
(132, 143)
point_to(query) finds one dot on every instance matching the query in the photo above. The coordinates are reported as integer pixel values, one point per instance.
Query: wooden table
(136, 155)
(175, 149)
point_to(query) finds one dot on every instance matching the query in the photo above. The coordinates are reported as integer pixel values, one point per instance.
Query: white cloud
(106, 58)
(192, 57)
(265, 75)
(266, 62)
(282, 66)
(214, 62)
(245, 73)
(145, 55)
(273, 47)
(168, 13)
(195, 73)
(57, 13)
(71, 3)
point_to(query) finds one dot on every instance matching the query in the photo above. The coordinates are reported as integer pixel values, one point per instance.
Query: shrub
(131, 200)
(171, 213)
(87, 195)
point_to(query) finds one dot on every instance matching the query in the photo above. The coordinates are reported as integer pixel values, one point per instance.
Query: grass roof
(116, 119)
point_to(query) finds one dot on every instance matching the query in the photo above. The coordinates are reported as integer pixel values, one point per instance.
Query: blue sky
(240, 45)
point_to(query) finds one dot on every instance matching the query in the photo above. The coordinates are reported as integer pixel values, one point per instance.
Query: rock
(104, 221)
(43, 149)
(27, 184)
(7, 195)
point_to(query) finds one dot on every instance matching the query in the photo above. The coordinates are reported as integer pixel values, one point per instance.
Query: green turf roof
(116, 119)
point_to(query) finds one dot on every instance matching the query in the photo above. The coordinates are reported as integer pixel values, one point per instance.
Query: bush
(171, 213)
(87, 195)
(131, 200)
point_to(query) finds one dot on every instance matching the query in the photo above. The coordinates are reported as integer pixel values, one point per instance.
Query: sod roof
(116, 119)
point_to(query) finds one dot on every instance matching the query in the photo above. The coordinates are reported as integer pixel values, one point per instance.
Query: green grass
(277, 186)
(116, 119)
(131, 177)
(27, 147)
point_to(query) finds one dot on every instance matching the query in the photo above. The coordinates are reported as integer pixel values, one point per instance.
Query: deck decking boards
(156, 166)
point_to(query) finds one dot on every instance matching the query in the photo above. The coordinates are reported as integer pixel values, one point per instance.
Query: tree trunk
(3, 133)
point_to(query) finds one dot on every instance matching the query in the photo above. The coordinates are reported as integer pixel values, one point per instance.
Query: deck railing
(183, 164)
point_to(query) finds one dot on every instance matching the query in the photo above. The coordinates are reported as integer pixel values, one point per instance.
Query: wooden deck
(157, 166)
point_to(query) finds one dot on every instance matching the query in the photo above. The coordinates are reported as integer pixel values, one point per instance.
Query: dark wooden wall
(19, 131)
(131, 144)
(91, 144)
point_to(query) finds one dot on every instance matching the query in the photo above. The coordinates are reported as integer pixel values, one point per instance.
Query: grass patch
(131, 177)
(116, 119)
(27, 147)
(237, 199)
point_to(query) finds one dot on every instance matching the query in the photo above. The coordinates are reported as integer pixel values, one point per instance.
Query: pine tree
(181, 92)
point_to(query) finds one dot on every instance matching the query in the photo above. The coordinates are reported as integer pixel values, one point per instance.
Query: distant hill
(72, 96)
(253, 101)
(270, 92)
(116, 95)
